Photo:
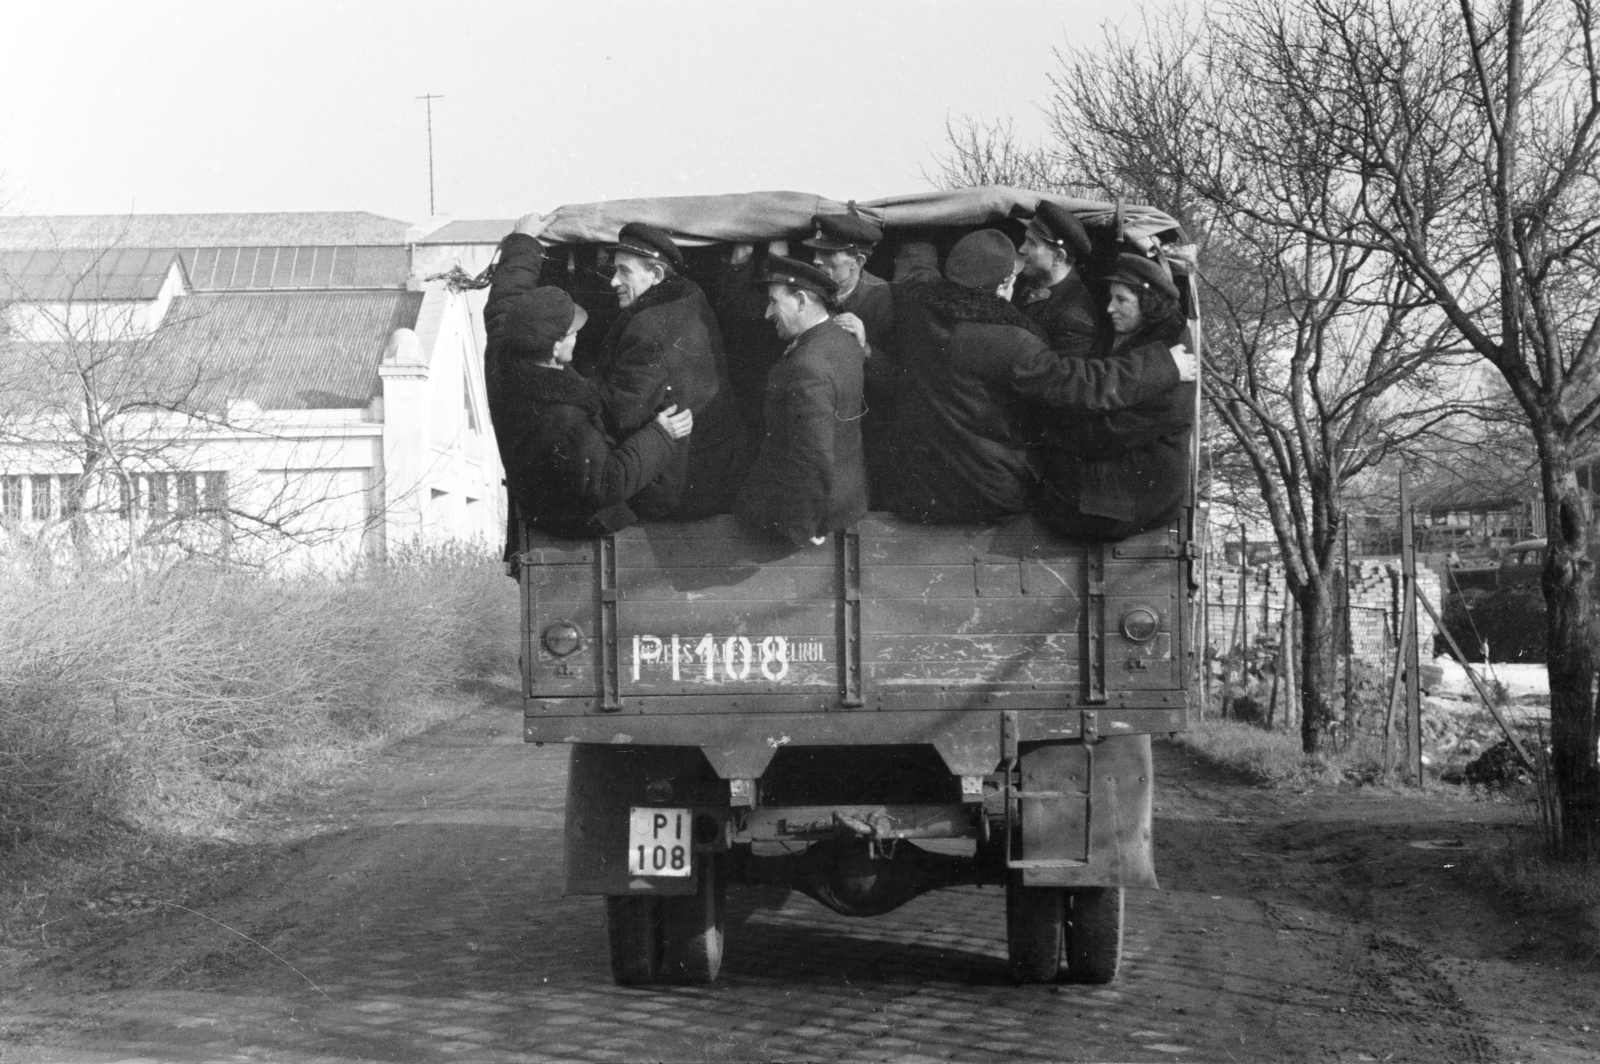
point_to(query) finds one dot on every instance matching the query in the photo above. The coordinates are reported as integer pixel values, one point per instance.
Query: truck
(898, 709)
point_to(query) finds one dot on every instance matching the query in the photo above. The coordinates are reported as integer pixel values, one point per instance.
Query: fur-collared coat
(960, 451)
(564, 473)
(663, 349)
(1109, 473)
(808, 479)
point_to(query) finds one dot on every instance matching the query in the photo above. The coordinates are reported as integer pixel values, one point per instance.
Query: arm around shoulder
(1122, 379)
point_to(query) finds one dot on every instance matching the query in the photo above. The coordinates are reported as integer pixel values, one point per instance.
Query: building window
(188, 494)
(70, 503)
(216, 492)
(41, 497)
(156, 484)
(11, 497)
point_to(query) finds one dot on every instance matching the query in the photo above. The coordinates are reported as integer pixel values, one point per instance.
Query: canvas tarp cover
(757, 216)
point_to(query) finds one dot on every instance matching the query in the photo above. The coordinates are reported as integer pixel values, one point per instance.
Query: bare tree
(1325, 359)
(114, 412)
(1466, 139)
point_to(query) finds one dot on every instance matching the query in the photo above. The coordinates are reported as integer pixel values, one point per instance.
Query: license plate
(658, 842)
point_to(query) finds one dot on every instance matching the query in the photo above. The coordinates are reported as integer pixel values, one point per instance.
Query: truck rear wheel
(633, 926)
(1094, 934)
(1034, 919)
(691, 929)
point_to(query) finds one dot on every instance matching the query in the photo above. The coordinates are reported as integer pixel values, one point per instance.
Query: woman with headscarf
(1123, 468)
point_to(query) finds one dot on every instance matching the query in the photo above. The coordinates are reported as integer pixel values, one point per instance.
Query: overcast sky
(296, 106)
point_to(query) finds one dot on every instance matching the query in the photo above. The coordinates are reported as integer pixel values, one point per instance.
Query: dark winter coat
(872, 300)
(808, 479)
(1066, 314)
(666, 349)
(1112, 471)
(564, 472)
(960, 450)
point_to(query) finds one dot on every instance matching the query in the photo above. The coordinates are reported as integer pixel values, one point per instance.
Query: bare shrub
(176, 703)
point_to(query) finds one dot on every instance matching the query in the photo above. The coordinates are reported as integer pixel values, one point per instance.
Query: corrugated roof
(239, 268)
(290, 350)
(267, 229)
(121, 274)
(481, 231)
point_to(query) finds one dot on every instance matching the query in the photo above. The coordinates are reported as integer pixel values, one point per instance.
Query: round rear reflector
(562, 638)
(1140, 624)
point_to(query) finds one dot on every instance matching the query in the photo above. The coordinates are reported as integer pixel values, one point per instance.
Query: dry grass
(1566, 889)
(174, 706)
(1268, 757)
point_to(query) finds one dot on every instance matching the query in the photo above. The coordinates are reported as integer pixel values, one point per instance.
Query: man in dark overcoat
(1056, 299)
(566, 476)
(840, 246)
(665, 349)
(808, 479)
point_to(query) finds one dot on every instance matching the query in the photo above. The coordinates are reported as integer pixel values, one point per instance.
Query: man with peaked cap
(808, 479)
(663, 350)
(1058, 302)
(840, 246)
(565, 475)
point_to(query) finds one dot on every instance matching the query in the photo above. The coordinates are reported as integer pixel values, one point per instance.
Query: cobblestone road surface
(423, 921)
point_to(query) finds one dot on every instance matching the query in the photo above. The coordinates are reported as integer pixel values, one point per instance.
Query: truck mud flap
(604, 782)
(1090, 825)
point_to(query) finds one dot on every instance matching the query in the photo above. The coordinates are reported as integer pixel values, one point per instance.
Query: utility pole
(430, 98)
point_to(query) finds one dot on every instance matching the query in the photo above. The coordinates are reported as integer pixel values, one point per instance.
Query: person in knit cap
(974, 365)
(663, 349)
(1057, 301)
(960, 453)
(1118, 469)
(566, 476)
(808, 479)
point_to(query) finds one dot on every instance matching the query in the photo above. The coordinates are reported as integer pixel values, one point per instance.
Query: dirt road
(414, 914)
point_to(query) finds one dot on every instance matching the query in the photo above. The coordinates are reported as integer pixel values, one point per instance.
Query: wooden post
(1284, 672)
(1278, 675)
(1394, 698)
(1349, 643)
(1205, 616)
(1291, 675)
(1408, 578)
(1244, 606)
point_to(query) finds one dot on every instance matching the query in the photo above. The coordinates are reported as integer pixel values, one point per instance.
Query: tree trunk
(1319, 664)
(1574, 722)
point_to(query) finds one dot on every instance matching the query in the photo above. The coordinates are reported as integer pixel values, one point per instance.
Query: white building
(283, 389)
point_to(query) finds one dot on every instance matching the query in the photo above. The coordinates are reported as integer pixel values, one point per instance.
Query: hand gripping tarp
(751, 217)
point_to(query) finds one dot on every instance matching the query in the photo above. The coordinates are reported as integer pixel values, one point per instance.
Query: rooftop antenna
(430, 98)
